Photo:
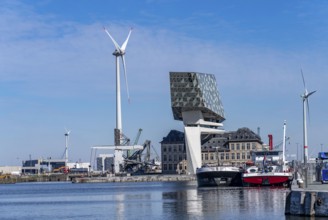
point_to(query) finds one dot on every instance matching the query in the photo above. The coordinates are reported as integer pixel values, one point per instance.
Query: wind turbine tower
(66, 145)
(119, 53)
(306, 111)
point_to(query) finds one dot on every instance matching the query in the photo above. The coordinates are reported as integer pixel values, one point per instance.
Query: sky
(57, 70)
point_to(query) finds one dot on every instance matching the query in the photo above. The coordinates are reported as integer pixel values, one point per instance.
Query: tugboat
(271, 171)
(219, 176)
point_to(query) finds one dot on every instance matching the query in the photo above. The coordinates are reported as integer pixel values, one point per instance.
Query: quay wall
(139, 178)
(307, 202)
(34, 178)
(94, 179)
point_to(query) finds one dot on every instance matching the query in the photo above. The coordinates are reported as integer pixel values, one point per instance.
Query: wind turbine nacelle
(118, 53)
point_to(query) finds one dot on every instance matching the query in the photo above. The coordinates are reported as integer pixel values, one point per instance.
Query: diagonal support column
(193, 148)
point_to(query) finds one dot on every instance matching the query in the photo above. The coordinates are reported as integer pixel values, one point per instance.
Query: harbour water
(140, 200)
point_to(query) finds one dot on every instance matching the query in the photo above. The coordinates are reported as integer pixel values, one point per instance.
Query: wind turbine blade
(310, 93)
(308, 108)
(126, 78)
(114, 42)
(303, 79)
(305, 92)
(126, 41)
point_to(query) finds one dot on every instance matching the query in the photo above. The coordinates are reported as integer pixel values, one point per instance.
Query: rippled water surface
(146, 200)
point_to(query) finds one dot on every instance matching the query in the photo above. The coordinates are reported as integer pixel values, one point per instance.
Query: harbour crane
(281, 142)
(130, 152)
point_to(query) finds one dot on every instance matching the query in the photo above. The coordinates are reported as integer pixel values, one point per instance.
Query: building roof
(244, 135)
(174, 137)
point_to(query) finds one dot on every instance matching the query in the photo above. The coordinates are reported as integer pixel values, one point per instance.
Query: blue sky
(57, 69)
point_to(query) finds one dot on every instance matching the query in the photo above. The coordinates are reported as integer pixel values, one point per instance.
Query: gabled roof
(174, 137)
(244, 135)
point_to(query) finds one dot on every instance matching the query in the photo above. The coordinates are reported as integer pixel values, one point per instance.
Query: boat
(271, 168)
(269, 176)
(208, 176)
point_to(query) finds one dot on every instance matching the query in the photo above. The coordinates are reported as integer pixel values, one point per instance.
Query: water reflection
(220, 202)
(158, 200)
(132, 202)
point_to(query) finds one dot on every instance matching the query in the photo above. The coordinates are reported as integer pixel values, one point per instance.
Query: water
(141, 200)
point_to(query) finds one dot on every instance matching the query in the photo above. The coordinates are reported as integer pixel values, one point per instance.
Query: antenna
(119, 52)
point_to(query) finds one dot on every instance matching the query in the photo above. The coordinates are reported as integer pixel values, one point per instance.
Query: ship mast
(284, 144)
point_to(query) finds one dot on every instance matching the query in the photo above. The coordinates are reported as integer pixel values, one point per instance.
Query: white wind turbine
(306, 111)
(66, 145)
(119, 52)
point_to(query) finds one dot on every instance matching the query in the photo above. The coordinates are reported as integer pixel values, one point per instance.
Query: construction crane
(137, 164)
(130, 152)
(280, 143)
(138, 136)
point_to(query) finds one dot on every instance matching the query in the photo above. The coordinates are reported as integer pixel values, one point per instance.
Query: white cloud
(63, 72)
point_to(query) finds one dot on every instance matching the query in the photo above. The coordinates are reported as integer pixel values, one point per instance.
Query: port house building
(230, 148)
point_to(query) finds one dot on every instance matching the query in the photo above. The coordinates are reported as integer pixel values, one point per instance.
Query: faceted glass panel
(192, 91)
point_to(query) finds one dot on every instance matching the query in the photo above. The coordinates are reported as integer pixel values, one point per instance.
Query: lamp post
(297, 151)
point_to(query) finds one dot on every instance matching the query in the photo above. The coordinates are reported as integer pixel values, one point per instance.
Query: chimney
(270, 142)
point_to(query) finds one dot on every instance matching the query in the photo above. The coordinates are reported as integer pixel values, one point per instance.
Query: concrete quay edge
(137, 178)
(309, 201)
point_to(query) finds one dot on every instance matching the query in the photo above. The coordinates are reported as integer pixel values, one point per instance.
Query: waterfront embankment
(94, 179)
(9, 179)
(137, 178)
(309, 201)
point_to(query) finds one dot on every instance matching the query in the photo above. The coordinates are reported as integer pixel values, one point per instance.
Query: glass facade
(192, 91)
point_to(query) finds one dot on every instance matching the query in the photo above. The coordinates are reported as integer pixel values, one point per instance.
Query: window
(238, 156)
(164, 157)
(253, 146)
(238, 147)
(169, 149)
(232, 156)
(227, 156)
(248, 156)
(232, 146)
(211, 157)
(243, 156)
(170, 158)
(174, 148)
(222, 156)
(206, 156)
(248, 145)
(170, 167)
(175, 157)
(243, 146)
(164, 149)
(165, 167)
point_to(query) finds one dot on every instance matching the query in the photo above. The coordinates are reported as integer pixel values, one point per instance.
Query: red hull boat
(267, 179)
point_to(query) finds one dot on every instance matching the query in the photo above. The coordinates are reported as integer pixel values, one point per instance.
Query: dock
(309, 201)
